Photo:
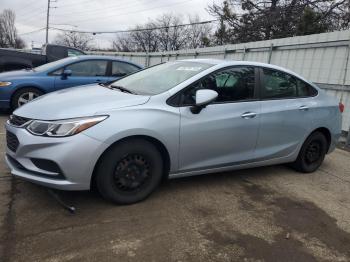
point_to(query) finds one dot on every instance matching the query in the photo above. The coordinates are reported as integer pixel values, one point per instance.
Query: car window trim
(177, 96)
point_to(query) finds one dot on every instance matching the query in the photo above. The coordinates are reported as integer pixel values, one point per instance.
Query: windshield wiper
(123, 89)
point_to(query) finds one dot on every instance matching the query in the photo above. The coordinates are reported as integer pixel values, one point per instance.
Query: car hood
(79, 101)
(16, 74)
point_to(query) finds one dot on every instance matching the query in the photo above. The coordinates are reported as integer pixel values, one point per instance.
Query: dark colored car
(14, 60)
(20, 87)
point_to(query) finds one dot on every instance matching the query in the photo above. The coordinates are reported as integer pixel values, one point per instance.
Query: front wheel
(129, 171)
(24, 96)
(311, 154)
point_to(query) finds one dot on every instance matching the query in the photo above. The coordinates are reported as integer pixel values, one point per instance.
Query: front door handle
(303, 108)
(248, 115)
(98, 80)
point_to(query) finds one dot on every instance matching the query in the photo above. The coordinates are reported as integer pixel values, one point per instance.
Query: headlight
(5, 84)
(62, 128)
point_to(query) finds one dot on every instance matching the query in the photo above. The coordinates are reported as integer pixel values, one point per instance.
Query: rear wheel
(129, 171)
(24, 96)
(312, 153)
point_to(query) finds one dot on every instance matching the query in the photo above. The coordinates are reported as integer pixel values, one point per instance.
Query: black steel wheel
(132, 172)
(129, 171)
(312, 153)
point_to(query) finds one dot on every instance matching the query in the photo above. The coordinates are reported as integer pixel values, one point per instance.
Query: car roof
(233, 62)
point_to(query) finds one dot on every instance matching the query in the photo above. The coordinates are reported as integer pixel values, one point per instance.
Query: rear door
(83, 73)
(225, 132)
(284, 115)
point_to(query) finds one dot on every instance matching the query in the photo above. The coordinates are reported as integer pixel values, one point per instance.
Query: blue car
(20, 87)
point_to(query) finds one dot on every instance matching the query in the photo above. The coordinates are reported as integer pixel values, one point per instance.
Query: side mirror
(203, 98)
(66, 73)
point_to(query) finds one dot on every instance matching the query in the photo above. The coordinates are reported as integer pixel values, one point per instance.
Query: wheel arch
(23, 87)
(156, 142)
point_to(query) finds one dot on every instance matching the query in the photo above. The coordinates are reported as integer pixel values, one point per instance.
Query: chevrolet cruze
(175, 119)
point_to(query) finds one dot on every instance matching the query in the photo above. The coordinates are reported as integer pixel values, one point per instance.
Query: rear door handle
(98, 80)
(303, 108)
(248, 115)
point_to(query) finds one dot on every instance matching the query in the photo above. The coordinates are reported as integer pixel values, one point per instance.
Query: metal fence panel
(321, 58)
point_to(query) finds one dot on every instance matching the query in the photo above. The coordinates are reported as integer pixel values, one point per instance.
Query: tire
(311, 154)
(129, 171)
(28, 93)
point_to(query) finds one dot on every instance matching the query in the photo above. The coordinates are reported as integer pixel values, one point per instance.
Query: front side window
(233, 84)
(88, 68)
(122, 68)
(277, 84)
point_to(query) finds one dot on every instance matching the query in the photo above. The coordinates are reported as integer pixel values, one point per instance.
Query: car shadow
(91, 200)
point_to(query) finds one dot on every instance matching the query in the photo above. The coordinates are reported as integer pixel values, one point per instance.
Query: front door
(83, 73)
(225, 132)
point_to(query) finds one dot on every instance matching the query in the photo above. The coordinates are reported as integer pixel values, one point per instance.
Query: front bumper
(75, 157)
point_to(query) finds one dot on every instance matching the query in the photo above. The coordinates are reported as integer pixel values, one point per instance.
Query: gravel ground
(261, 214)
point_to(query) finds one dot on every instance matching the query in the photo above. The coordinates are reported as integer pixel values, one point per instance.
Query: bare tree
(171, 35)
(78, 40)
(198, 34)
(123, 43)
(8, 31)
(163, 34)
(145, 40)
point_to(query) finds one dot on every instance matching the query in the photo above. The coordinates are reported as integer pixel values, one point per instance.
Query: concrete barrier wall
(321, 58)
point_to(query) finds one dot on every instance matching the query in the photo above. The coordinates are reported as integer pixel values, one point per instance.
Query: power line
(134, 30)
(31, 32)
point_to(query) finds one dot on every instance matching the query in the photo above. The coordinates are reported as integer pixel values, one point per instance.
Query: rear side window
(305, 90)
(122, 69)
(277, 84)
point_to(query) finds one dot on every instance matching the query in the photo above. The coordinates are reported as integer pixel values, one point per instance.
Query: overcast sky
(95, 15)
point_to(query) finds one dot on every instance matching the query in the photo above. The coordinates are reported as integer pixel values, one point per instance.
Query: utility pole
(48, 18)
(47, 21)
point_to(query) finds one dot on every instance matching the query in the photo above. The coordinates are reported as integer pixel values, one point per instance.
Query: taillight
(341, 107)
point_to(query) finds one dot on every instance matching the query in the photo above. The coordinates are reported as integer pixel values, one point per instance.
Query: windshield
(160, 78)
(52, 65)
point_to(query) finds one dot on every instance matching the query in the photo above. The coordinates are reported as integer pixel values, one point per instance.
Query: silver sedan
(175, 119)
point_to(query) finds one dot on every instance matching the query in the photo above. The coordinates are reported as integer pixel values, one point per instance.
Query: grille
(18, 120)
(12, 141)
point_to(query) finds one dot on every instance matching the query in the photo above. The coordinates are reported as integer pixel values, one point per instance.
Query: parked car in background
(20, 87)
(175, 119)
(15, 60)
